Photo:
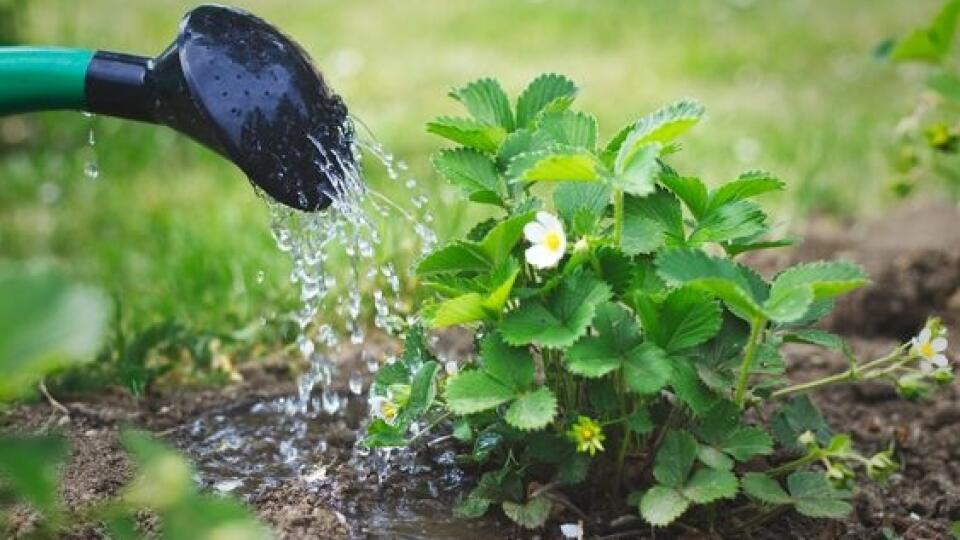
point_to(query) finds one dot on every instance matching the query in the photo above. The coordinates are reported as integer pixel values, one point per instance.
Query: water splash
(337, 266)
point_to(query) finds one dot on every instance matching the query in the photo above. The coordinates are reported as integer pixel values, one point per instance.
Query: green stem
(870, 370)
(756, 328)
(795, 464)
(617, 216)
(848, 375)
(429, 427)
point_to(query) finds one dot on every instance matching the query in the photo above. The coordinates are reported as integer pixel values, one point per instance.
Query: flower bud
(839, 474)
(807, 439)
(881, 466)
(942, 376)
(912, 386)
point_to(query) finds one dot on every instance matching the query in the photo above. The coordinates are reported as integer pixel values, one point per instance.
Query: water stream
(310, 437)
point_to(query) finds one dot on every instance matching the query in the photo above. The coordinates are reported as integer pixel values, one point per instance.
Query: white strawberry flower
(548, 242)
(385, 409)
(930, 350)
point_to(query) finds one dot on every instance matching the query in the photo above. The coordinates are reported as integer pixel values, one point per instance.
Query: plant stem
(429, 427)
(756, 328)
(617, 216)
(791, 465)
(870, 370)
(847, 375)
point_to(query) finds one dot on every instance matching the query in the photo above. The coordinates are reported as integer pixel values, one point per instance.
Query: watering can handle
(50, 78)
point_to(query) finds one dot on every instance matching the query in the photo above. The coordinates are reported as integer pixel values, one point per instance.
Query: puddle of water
(250, 449)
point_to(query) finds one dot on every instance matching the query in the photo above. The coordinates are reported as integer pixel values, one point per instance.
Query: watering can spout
(230, 81)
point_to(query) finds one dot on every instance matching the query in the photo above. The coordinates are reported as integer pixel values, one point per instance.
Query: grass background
(176, 234)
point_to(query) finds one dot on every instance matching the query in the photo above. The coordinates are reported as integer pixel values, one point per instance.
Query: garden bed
(913, 256)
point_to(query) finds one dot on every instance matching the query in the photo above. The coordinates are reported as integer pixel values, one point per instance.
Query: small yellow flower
(929, 348)
(588, 435)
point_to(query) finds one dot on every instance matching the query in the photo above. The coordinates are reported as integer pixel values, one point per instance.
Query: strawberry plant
(621, 344)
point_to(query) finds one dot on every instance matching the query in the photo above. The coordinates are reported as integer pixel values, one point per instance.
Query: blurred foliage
(929, 137)
(11, 18)
(45, 324)
(163, 485)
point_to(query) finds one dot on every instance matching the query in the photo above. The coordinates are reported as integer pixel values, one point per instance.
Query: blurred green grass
(175, 233)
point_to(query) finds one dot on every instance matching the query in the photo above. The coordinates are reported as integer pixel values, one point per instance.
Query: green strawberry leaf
(647, 369)
(826, 279)
(692, 191)
(562, 319)
(568, 128)
(686, 318)
(487, 102)
(462, 256)
(468, 132)
(747, 185)
(475, 391)
(764, 489)
(675, 458)
(545, 92)
(661, 505)
(559, 165)
(531, 515)
(471, 171)
(722, 278)
(815, 496)
(533, 410)
(708, 485)
(637, 173)
(617, 335)
(511, 366)
(662, 207)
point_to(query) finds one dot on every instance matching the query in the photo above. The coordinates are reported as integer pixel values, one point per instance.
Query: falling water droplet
(91, 170)
(356, 384)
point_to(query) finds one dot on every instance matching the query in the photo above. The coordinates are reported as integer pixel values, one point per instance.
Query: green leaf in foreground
(562, 319)
(826, 279)
(470, 170)
(29, 466)
(815, 496)
(675, 458)
(531, 515)
(474, 391)
(708, 485)
(486, 101)
(722, 278)
(533, 410)
(662, 505)
(647, 369)
(45, 324)
(617, 335)
(545, 91)
(764, 489)
(566, 165)
(468, 132)
(686, 318)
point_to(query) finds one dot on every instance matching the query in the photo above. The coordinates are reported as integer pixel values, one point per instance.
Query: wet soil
(913, 256)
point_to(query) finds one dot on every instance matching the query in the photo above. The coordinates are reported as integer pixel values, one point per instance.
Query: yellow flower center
(926, 349)
(389, 410)
(552, 240)
(587, 433)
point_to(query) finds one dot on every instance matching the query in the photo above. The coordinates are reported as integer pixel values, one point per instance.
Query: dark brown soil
(914, 258)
